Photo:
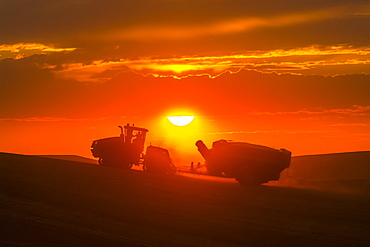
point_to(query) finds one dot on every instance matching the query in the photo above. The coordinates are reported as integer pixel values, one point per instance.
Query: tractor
(126, 150)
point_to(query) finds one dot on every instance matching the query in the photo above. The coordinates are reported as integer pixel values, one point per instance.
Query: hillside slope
(71, 158)
(335, 166)
(49, 202)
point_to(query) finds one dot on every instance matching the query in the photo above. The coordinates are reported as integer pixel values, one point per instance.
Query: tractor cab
(133, 138)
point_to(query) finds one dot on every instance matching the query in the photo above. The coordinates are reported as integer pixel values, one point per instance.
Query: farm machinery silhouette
(248, 163)
(127, 150)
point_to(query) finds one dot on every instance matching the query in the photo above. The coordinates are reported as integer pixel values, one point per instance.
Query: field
(53, 202)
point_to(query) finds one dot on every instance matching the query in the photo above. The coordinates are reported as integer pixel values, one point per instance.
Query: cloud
(365, 125)
(300, 60)
(330, 60)
(222, 27)
(354, 111)
(36, 85)
(96, 71)
(21, 50)
(93, 23)
(58, 119)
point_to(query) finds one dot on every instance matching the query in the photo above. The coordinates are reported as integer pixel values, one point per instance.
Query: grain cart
(248, 163)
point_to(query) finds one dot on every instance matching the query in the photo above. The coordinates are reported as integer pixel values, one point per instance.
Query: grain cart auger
(126, 150)
(249, 164)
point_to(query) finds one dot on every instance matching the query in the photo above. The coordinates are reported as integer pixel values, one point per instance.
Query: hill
(70, 158)
(335, 166)
(51, 202)
(337, 172)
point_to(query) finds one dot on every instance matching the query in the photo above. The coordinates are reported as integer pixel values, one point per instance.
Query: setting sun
(180, 120)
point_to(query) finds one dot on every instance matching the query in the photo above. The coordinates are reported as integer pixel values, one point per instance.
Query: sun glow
(178, 130)
(180, 120)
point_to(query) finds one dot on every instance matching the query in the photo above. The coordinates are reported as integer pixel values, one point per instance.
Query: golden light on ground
(180, 120)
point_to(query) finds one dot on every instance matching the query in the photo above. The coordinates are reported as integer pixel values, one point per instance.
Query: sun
(180, 120)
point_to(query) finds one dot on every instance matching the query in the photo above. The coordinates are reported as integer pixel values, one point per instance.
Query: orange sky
(294, 74)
